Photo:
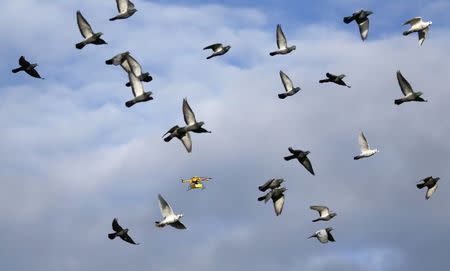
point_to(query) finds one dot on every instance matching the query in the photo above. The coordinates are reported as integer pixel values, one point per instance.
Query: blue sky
(74, 157)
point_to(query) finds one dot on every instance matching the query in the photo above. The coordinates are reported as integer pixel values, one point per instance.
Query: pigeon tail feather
(112, 236)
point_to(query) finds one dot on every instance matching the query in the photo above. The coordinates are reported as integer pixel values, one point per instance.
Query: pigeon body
(419, 26)
(277, 196)
(410, 95)
(283, 47)
(364, 147)
(301, 156)
(169, 217)
(218, 49)
(27, 67)
(288, 86)
(324, 213)
(86, 31)
(430, 183)
(323, 235)
(337, 79)
(126, 9)
(138, 91)
(120, 232)
(362, 19)
(192, 125)
(271, 184)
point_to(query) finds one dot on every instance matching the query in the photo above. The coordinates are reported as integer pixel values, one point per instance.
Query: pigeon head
(307, 152)
(430, 23)
(179, 216)
(437, 179)
(419, 93)
(228, 47)
(368, 12)
(333, 215)
(283, 189)
(293, 47)
(314, 235)
(376, 150)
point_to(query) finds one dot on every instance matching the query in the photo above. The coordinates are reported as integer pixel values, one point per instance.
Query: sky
(73, 157)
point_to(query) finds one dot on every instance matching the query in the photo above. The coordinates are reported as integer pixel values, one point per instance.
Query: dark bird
(277, 196)
(430, 183)
(337, 79)
(324, 213)
(272, 184)
(282, 45)
(218, 49)
(86, 31)
(192, 125)
(120, 232)
(362, 19)
(288, 86)
(301, 156)
(126, 9)
(410, 95)
(323, 235)
(27, 67)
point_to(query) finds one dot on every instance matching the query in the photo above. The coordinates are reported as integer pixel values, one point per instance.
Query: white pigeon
(169, 217)
(288, 86)
(126, 9)
(323, 235)
(324, 213)
(283, 48)
(419, 26)
(86, 31)
(364, 147)
(138, 91)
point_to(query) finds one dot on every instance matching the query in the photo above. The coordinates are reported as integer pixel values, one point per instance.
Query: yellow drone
(196, 182)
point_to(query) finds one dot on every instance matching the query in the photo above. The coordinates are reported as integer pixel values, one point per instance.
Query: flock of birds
(136, 77)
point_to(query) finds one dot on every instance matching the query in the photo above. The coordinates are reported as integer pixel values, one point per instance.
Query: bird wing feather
(281, 39)
(84, 26)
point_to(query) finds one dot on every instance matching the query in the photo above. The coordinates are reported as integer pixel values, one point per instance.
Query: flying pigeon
(288, 86)
(27, 67)
(324, 213)
(134, 66)
(218, 49)
(323, 235)
(192, 125)
(277, 197)
(282, 44)
(301, 156)
(126, 9)
(272, 184)
(138, 91)
(120, 232)
(337, 79)
(117, 59)
(430, 183)
(169, 217)
(364, 147)
(88, 34)
(407, 90)
(419, 26)
(362, 19)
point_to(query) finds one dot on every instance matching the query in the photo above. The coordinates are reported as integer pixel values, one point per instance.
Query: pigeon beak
(312, 236)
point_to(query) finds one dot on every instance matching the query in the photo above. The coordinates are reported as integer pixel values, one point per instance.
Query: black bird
(337, 79)
(362, 19)
(430, 183)
(272, 184)
(27, 67)
(301, 156)
(120, 232)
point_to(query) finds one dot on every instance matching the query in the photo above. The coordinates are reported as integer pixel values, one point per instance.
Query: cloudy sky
(73, 157)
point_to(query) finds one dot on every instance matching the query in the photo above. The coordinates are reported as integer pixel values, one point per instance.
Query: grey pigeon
(86, 31)
(410, 95)
(218, 49)
(430, 183)
(288, 86)
(192, 125)
(277, 196)
(27, 67)
(324, 213)
(138, 91)
(283, 47)
(323, 235)
(362, 19)
(126, 9)
(301, 156)
(419, 26)
(120, 232)
(272, 184)
(337, 79)
(131, 65)
(169, 217)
